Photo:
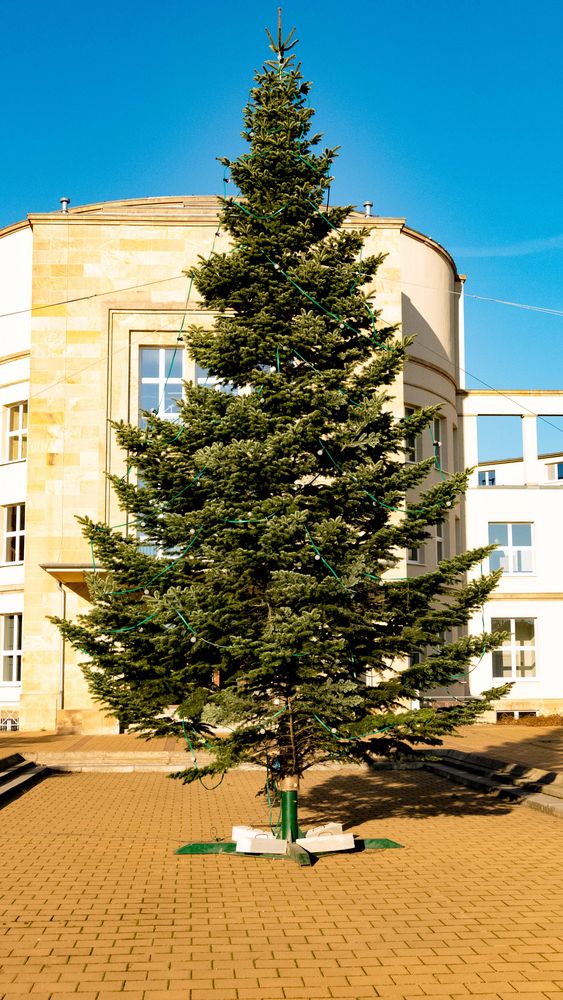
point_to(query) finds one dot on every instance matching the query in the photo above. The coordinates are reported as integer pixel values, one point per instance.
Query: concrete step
(9, 771)
(120, 761)
(18, 776)
(529, 786)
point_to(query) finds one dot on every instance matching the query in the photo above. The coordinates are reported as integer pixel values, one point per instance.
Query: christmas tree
(256, 585)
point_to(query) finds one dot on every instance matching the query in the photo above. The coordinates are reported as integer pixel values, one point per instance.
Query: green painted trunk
(288, 789)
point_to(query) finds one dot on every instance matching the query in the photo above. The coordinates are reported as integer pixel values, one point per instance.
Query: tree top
(281, 47)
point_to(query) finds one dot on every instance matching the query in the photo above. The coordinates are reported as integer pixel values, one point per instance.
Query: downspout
(61, 698)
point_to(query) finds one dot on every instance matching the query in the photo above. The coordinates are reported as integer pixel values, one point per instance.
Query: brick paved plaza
(96, 902)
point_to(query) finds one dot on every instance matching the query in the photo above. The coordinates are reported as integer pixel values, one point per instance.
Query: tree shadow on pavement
(413, 794)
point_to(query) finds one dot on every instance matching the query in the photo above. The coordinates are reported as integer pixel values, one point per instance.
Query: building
(91, 303)
(516, 504)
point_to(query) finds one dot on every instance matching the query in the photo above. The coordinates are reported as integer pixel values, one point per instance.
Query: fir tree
(278, 512)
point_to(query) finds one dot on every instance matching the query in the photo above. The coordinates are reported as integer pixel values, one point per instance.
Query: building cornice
(511, 392)
(555, 595)
(16, 227)
(429, 242)
(412, 359)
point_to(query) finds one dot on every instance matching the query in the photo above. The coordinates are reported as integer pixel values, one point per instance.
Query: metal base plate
(294, 852)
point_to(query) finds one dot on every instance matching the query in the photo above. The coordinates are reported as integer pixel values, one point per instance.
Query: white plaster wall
(548, 682)
(512, 473)
(11, 603)
(522, 494)
(15, 290)
(542, 507)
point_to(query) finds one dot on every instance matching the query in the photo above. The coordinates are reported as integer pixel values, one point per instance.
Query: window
(17, 432)
(440, 541)
(488, 478)
(160, 377)
(146, 547)
(11, 649)
(370, 677)
(516, 658)
(437, 432)
(14, 534)
(413, 442)
(415, 554)
(554, 471)
(203, 378)
(514, 554)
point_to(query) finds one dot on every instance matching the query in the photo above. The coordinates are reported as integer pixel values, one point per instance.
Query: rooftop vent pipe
(368, 205)
(65, 202)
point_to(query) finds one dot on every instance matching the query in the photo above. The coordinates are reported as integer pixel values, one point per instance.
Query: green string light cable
(208, 788)
(125, 524)
(189, 485)
(196, 636)
(317, 372)
(131, 628)
(178, 338)
(269, 770)
(352, 739)
(400, 510)
(134, 590)
(327, 312)
(319, 556)
(436, 447)
(323, 216)
(260, 218)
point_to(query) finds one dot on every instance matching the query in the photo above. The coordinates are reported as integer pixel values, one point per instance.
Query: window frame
(419, 558)
(441, 535)
(162, 380)
(204, 380)
(486, 474)
(15, 536)
(437, 431)
(552, 472)
(413, 442)
(18, 434)
(513, 648)
(13, 653)
(510, 549)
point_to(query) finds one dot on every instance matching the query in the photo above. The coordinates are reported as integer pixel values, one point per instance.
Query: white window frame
(15, 536)
(441, 535)
(415, 555)
(12, 654)
(207, 381)
(162, 380)
(511, 646)
(370, 677)
(438, 428)
(413, 442)
(487, 475)
(17, 435)
(512, 552)
(554, 472)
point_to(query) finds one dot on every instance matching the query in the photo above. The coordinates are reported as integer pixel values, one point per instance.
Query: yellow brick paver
(95, 905)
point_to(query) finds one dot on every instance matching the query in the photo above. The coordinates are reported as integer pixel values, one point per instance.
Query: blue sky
(446, 114)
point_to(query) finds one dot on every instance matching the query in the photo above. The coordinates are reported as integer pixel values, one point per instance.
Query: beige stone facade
(92, 286)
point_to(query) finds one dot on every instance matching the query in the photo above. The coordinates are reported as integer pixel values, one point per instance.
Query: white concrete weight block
(249, 831)
(328, 842)
(261, 845)
(325, 831)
